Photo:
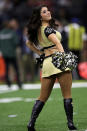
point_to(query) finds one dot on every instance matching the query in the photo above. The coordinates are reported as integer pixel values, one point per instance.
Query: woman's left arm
(52, 37)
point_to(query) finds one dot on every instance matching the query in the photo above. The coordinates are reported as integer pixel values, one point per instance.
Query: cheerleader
(56, 64)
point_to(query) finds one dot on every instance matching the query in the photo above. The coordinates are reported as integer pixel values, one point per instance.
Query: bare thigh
(46, 88)
(65, 81)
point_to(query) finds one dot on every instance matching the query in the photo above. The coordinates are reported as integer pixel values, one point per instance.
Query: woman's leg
(46, 88)
(65, 81)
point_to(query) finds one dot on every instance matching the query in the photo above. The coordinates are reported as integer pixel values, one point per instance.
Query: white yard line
(6, 89)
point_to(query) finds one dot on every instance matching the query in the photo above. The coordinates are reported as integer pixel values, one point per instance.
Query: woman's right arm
(33, 48)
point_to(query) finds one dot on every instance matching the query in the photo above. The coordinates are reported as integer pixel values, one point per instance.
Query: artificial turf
(52, 117)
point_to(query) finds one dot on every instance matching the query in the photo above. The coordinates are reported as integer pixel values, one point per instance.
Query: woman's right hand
(33, 48)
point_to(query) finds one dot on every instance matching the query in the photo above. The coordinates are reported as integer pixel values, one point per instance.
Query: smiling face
(45, 14)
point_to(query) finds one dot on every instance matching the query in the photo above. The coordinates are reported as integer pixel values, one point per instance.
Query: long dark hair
(34, 24)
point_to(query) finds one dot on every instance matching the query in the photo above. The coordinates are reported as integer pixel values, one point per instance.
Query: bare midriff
(50, 51)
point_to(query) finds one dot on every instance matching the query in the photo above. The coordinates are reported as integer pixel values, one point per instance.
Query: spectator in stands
(8, 44)
(28, 60)
(75, 33)
(14, 24)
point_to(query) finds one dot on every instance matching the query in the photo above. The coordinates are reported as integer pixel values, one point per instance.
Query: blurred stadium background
(15, 104)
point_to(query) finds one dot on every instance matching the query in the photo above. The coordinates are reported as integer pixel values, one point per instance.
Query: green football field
(16, 106)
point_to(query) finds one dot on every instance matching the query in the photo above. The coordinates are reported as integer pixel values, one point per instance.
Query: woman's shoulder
(47, 30)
